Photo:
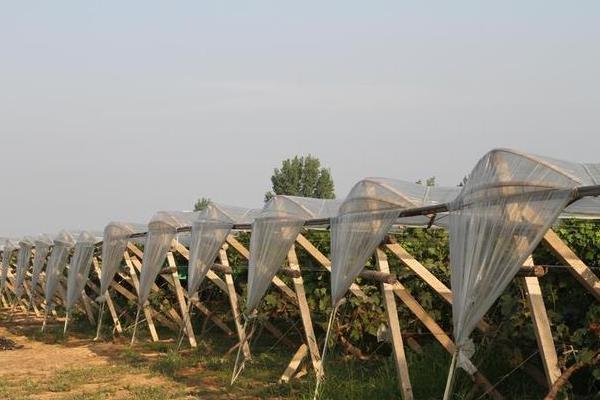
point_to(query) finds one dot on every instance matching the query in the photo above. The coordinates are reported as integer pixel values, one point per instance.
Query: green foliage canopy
(302, 176)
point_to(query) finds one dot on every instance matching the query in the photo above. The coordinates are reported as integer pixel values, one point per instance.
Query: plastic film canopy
(161, 232)
(42, 248)
(23, 258)
(209, 232)
(7, 253)
(273, 234)
(63, 243)
(115, 239)
(79, 269)
(508, 203)
(365, 217)
(587, 207)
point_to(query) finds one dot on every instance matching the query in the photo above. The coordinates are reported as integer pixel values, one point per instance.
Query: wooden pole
(394, 326)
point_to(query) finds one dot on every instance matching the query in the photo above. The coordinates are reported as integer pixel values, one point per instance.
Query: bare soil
(47, 366)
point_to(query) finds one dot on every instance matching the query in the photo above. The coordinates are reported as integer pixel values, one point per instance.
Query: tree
(201, 203)
(428, 182)
(302, 176)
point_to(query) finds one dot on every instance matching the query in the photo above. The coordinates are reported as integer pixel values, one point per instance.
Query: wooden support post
(146, 308)
(209, 314)
(186, 323)
(325, 263)
(170, 312)
(87, 307)
(293, 366)
(311, 340)
(224, 287)
(29, 292)
(422, 272)
(233, 302)
(113, 312)
(578, 269)
(279, 284)
(541, 325)
(125, 292)
(394, 327)
(439, 334)
(108, 300)
(214, 278)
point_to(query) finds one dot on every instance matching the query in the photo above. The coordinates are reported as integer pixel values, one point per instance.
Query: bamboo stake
(100, 315)
(321, 376)
(137, 318)
(451, 375)
(66, 323)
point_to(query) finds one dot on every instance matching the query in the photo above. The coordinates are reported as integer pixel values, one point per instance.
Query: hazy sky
(113, 110)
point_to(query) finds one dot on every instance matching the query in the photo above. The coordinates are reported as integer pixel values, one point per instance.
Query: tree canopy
(302, 176)
(201, 203)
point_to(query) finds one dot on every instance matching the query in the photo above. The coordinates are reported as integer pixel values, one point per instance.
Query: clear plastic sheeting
(587, 207)
(274, 232)
(209, 232)
(7, 253)
(507, 205)
(114, 245)
(23, 262)
(161, 232)
(63, 243)
(366, 216)
(79, 269)
(42, 248)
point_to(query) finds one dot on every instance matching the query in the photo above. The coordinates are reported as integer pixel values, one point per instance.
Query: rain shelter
(274, 231)
(7, 253)
(23, 258)
(162, 230)
(63, 243)
(114, 244)
(79, 270)
(42, 248)
(209, 232)
(367, 215)
(508, 203)
(371, 210)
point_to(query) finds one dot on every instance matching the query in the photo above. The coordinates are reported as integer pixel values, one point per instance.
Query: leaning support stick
(45, 317)
(100, 315)
(237, 368)
(321, 376)
(186, 318)
(137, 317)
(451, 376)
(66, 323)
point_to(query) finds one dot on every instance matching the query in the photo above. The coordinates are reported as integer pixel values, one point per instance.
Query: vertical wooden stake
(181, 300)
(136, 285)
(394, 326)
(109, 303)
(309, 332)
(87, 306)
(541, 325)
(233, 301)
(293, 366)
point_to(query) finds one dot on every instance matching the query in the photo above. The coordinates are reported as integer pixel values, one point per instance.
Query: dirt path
(48, 366)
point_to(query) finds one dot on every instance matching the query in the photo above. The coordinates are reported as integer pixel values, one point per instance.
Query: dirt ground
(47, 366)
